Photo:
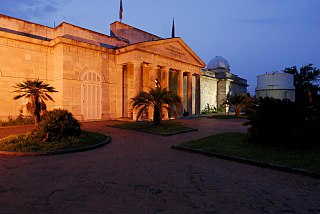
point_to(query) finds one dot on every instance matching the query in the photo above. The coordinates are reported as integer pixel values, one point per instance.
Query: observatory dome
(218, 63)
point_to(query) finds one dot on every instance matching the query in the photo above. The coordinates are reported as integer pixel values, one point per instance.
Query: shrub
(276, 122)
(58, 125)
(208, 109)
(312, 122)
(20, 120)
(237, 102)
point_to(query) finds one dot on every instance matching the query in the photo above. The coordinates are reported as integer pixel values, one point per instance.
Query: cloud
(32, 10)
(50, 9)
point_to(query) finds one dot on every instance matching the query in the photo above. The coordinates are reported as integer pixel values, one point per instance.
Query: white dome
(218, 62)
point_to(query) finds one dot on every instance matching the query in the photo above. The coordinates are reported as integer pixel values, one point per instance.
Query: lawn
(168, 127)
(235, 144)
(30, 143)
(17, 122)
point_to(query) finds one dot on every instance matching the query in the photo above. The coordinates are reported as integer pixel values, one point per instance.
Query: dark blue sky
(255, 36)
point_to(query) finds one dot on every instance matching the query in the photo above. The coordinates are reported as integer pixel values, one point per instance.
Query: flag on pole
(173, 33)
(120, 11)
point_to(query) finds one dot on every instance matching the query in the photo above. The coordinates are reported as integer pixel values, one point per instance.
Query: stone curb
(169, 134)
(58, 152)
(251, 162)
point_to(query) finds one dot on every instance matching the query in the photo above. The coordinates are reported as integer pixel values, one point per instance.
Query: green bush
(208, 109)
(58, 125)
(277, 122)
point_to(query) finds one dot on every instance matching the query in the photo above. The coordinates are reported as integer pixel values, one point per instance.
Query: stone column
(165, 78)
(165, 84)
(189, 92)
(124, 90)
(138, 83)
(197, 95)
(145, 76)
(152, 77)
(180, 90)
(138, 78)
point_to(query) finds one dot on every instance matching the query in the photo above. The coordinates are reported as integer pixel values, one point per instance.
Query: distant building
(278, 85)
(217, 82)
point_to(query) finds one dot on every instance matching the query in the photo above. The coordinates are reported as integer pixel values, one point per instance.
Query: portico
(170, 61)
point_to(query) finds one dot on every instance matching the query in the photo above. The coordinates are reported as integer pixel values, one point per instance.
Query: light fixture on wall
(157, 83)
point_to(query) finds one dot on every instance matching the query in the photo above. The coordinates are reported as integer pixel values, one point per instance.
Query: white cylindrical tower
(278, 85)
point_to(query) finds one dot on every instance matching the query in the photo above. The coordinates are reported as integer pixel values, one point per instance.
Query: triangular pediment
(174, 48)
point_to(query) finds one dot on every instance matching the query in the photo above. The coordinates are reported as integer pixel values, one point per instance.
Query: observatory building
(217, 82)
(278, 85)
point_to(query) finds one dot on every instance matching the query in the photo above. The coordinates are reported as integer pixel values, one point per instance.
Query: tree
(306, 83)
(237, 101)
(37, 92)
(276, 122)
(157, 99)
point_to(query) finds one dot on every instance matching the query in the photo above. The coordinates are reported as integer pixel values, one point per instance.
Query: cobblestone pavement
(139, 173)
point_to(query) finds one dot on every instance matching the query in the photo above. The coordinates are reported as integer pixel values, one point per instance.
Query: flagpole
(173, 32)
(120, 11)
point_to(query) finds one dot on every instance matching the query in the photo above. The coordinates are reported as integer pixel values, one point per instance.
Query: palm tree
(237, 101)
(157, 99)
(37, 93)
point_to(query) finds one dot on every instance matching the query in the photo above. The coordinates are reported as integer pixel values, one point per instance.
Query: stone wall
(67, 30)
(222, 92)
(237, 89)
(131, 34)
(20, 59)
(208, 91)
(62, 63)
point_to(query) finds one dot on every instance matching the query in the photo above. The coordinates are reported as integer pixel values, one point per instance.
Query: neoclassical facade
(96, 75)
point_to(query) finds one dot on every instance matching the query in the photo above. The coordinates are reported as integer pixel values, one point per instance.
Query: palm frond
(141, 110)
(157, 98)
(37, 91)
(19, 96)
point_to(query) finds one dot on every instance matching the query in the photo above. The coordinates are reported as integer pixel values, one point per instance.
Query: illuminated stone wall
(96, 75)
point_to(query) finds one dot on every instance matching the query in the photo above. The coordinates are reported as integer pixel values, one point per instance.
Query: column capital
(163, 68)
(147, 64)
(135, 63)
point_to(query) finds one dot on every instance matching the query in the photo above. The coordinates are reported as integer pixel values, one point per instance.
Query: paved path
(5, 131)
(139, 173)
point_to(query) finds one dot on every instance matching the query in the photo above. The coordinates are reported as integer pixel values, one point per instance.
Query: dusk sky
(255, 36)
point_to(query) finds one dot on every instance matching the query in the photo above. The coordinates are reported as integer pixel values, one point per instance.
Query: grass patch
(30, 143)
(235, 144)
(17, 122)
(223, 116)
(168, 127)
